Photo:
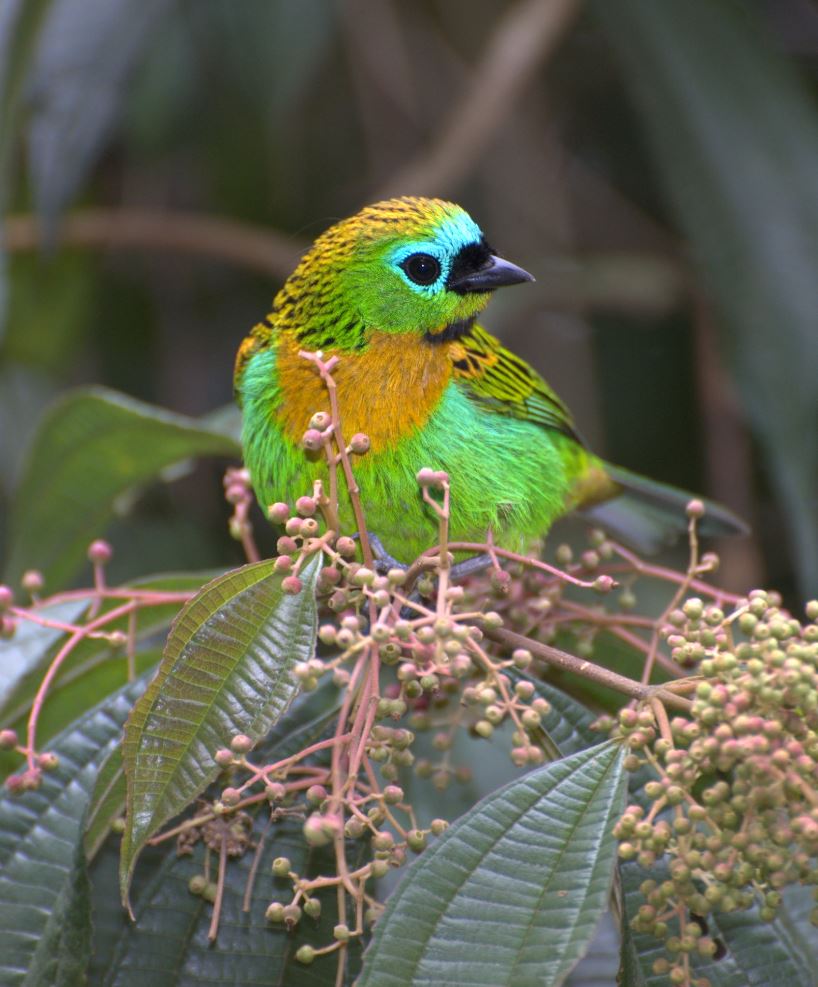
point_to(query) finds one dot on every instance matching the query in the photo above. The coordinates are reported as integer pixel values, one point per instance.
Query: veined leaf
(106, 804)
(512, 892)
(44, 912)
(168, 942)
(227, 669)
(91, 447)
(756, 953)
(568, 723)
(306, 722)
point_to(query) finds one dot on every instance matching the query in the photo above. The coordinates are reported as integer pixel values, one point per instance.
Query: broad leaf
(168, 942)
(568, 723)
(22, 658)
(757, 953)
(95, 668)
(86, 57)
(20, 23)
(511, 894)
(227, 669)
(735, 135)
(44, 914)
(107, 802)
(91, 447)
(307, 721)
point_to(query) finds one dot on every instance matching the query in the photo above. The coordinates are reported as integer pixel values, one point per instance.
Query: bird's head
(407, 265)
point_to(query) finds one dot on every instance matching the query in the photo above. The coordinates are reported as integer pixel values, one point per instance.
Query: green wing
(496, 378)
(643, 513)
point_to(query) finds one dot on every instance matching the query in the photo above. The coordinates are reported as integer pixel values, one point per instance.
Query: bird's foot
(383, 560)
(468, 567)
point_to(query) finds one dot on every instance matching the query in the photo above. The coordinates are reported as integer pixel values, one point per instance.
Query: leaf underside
(227, 670)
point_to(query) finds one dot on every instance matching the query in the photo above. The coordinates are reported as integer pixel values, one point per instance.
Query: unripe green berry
(312, 908)
(416, 840)
(305, 954)
(282, 866)
(197, 884)
(379, 868)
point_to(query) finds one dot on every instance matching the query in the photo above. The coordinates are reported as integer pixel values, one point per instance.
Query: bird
(395, 293)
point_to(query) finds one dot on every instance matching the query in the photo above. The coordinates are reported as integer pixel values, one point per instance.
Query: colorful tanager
(395, 292)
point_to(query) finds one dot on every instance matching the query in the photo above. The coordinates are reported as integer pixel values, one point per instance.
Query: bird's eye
(423, 269)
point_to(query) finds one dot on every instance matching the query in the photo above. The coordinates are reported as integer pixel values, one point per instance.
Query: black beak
(497, 273)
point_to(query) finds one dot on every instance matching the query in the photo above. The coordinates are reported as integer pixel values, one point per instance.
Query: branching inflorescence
(729, 735)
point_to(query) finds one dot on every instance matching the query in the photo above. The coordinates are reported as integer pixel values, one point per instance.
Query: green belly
(507, 475)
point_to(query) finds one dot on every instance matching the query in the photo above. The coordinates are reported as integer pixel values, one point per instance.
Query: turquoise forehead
(449, 234)
(456, 230)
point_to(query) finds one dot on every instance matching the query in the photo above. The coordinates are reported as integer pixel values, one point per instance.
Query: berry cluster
(732, 808)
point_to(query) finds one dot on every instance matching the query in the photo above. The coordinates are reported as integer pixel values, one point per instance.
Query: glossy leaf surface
(91, 447)
(512, 892)
(44, 912)
(168, 946)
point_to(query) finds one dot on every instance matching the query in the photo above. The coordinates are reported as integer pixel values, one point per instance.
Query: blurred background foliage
(655, 165)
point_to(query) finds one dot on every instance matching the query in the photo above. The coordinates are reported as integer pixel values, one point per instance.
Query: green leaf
(44, 915)
(306, 722)
(68, 701)
(95, 668)
(24, 656)
(91, 447)
(20, 24)
(735, 135)
(512, 892)
(86, 57)
(632, 971)
(227, 669)
(757, 953)
(795, 923)
(765, 952)
(167, 945)
(567, 723)
(106, 804)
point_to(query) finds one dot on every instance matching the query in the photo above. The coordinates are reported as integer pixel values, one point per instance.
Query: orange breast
(387, 390)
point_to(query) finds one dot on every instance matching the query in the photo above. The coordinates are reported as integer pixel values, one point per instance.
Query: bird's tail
(649, 516)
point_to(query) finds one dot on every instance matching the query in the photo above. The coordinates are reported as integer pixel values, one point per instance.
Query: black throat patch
(454, 330)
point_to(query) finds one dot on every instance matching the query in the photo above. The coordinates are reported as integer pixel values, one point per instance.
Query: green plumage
(394, 292)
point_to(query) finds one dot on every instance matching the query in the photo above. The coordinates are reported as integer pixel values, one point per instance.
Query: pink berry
(100, 552)
(278, 512)
(312, 440)
(292, 585)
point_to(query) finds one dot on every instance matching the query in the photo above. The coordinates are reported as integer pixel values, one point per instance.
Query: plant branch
(264, 251)
(525, 36)
(588, 670)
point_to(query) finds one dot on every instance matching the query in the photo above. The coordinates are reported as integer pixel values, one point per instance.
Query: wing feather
(496, 378)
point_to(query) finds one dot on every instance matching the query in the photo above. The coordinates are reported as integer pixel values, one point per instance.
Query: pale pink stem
(148, 597)
(23, 614)
(54, 667)
(493, 550)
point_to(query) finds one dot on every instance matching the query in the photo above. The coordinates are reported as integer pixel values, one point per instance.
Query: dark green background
(654, 165)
